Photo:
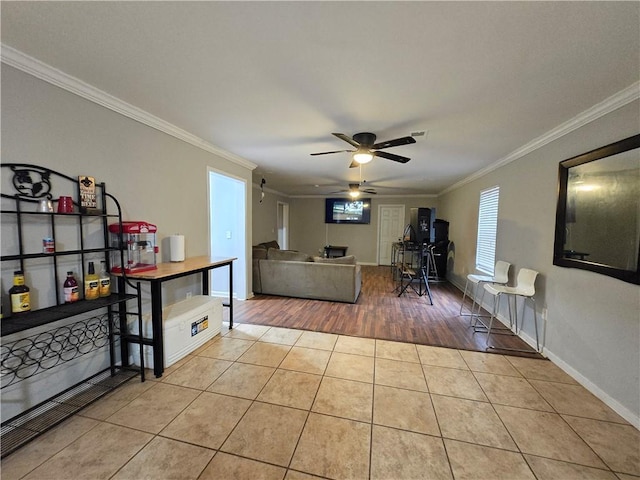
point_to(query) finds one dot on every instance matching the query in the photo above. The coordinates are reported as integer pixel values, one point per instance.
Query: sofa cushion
(348, 260)
(287, 255)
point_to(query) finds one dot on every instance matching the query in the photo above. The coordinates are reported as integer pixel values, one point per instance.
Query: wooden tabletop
(170, 269)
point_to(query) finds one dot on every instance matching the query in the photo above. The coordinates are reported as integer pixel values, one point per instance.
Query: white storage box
(186, 326)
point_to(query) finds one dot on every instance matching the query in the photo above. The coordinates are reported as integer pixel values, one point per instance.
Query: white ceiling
(270, 81)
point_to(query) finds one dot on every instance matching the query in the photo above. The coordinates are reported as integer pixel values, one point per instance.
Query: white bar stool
(525, 288)
(500, 276)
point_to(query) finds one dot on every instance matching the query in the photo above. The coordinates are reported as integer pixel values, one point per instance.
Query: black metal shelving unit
(101, 323)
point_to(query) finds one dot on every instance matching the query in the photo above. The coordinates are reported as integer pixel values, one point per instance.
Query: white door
(283, 225)
(391, 226)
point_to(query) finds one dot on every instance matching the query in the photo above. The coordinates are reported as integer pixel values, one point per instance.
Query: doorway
(283, 225)
(227, 232)
(390, 227)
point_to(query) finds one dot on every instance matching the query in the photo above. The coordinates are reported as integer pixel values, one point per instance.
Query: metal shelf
(70, 214)
(27, 256)
(31, 353)
(37, 420)
(27, 320)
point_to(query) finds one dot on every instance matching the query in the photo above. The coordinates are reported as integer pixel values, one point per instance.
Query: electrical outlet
(228, 234)
(188, 295)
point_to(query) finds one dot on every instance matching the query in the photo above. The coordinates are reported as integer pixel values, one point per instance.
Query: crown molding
(256, 186)
(618, 100)
(377, 196)
(43, 71)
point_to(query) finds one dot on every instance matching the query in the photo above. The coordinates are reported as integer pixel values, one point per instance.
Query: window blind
(487, 230)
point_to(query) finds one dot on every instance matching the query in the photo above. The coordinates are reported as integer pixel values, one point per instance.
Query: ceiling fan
(366, 148)
(354, 188)
(355, 191)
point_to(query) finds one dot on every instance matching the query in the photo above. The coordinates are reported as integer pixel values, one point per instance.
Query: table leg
(156, 328)
(230, 295)
(122, 308)
(205, 282)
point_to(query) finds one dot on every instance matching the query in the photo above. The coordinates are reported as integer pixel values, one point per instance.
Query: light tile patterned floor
(274, 403)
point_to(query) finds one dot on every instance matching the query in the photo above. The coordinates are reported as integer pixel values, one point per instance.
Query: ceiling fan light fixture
(354, 193)
(362, 157)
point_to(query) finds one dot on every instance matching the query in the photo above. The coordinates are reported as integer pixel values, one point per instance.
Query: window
(487, 230)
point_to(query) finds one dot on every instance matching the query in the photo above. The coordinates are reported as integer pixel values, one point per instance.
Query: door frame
(240, 269)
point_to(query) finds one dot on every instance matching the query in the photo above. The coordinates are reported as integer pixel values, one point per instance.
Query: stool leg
(464, 295)
(424, 271)
(496, 307)
(535, 323)
(476, 317)
(515, 321)
(479, 303)
(513, 314)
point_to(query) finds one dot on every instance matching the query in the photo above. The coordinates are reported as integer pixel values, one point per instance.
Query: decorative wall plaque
(87, 193)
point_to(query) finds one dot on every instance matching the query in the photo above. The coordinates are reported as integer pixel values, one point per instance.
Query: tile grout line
(324, 375)
(435, 414)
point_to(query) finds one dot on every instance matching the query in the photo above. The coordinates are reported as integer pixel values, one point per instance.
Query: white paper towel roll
(176, 248)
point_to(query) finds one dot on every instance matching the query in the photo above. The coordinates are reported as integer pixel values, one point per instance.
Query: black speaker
(422, 220)
(440, 231)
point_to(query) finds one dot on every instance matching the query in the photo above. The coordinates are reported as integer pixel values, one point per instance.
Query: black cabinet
(440, 247)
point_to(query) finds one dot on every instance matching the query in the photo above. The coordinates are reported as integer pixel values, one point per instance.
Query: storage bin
(186, 326)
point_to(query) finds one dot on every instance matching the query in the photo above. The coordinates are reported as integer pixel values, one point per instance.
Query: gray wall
(593, 324)
(156, 177)
(310, 234)
(265, 215)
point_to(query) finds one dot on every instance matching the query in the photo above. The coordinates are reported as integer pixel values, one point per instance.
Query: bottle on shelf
(71, 289)
(91, 284)
(20, 296)
(105, 280)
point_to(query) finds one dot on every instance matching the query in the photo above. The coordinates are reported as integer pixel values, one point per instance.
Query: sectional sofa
(295, 274)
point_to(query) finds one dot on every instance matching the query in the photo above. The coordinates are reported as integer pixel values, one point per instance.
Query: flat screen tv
(346, 210)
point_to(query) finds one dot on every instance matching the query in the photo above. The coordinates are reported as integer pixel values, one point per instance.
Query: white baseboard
(612, 403)
(624, 412)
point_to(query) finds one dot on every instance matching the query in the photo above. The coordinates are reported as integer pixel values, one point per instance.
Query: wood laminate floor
(379, 313)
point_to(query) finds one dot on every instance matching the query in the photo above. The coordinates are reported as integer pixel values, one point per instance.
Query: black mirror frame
(559, 259)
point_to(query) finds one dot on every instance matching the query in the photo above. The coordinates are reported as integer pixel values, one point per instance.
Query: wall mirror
(598, 212)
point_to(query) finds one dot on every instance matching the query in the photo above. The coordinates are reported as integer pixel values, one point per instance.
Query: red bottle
(71, 290)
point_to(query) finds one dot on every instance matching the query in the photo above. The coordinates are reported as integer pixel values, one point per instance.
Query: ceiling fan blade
(394, 143)
(349, 140)
(391, 156)
(354, 164)
(369, 191)
(335, 151)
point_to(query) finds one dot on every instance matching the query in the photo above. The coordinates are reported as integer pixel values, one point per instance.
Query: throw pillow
(287, 255)
(259, 253)
(348, 260)
(271, 244)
